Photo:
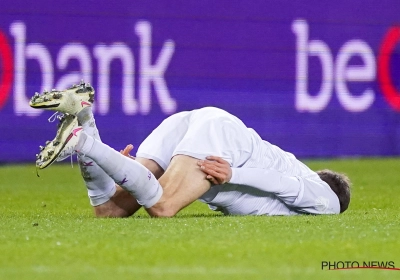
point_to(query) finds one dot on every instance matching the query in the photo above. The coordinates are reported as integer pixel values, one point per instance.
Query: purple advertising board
(317, 78)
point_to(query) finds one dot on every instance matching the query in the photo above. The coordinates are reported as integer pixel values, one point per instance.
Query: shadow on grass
(220, 215)
(184, 216)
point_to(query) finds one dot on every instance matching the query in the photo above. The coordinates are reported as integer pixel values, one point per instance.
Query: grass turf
(48, 231)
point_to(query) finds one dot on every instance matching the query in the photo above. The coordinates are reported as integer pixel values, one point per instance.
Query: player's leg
(155, 154)
(126, 172)
(108, 199)
(122, 203)
(75, 102)
(183, 182)
(99, 185)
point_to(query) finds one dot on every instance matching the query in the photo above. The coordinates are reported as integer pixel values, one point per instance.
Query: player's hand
(218, 171)
(127, 150)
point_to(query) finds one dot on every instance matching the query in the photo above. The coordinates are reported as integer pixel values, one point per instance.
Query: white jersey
(211, 131)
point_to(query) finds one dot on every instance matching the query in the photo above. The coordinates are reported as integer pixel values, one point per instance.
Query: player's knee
(162, 211)
(111, 214)
(105, 211)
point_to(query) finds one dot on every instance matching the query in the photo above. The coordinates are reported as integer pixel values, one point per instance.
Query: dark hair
(340, 184)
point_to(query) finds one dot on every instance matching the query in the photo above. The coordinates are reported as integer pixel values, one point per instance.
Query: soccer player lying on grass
(165, 177)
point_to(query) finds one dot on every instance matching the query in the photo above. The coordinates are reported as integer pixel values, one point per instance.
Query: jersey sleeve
(305, 195)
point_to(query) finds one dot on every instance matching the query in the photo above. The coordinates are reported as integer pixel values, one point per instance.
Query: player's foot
(62, 146)
(69, 101)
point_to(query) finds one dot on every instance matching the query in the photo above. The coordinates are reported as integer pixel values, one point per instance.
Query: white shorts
(199, 133)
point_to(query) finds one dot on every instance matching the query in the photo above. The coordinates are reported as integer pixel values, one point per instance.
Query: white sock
(129, 174)
(99, 185)
(86, 120)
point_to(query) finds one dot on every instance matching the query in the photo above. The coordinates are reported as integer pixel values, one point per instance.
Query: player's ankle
(85, 115)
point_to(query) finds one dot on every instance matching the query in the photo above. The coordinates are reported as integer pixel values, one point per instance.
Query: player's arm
(306, 196)
(218, 172)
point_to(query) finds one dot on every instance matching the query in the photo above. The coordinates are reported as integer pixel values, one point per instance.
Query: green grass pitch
(48, 231)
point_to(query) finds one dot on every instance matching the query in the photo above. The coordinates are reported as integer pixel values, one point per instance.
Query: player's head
(340, 184)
